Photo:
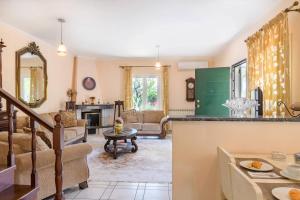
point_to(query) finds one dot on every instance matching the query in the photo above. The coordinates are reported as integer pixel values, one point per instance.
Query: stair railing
(58, 140)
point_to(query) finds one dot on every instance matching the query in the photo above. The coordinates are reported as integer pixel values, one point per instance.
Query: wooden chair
(224, 159)
(242, 187)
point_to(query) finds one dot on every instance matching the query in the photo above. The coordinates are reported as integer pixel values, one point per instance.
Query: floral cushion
(68, 119)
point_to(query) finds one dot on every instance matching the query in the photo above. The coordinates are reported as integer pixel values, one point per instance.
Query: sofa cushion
(79, 130)
(68, 119)
(24, 141)
(4, 149)
(69, 134)
(22, 121)
(130, 116)
(151, 127)
(152, 116)
(48, 118)
(137, 126)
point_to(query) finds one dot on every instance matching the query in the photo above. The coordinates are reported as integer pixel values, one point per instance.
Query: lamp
(157, 64)
(61, 50)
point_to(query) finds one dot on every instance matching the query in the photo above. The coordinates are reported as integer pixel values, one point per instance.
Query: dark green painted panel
(212, 90)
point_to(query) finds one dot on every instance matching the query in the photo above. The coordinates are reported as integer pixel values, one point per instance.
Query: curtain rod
(287, 10)
(141, 66)
(291, 8)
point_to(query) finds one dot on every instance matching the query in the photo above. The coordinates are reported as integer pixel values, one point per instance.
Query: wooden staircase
(8, 189)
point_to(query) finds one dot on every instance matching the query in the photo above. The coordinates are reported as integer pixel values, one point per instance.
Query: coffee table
(126, 134)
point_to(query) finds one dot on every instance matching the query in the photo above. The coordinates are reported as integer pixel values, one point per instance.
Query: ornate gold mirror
(31, 76)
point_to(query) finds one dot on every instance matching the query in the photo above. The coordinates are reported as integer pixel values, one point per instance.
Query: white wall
(87, 68)
(111, 79)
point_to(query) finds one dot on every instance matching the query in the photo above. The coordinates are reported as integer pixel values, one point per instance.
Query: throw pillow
(68, 119)
(130, 116)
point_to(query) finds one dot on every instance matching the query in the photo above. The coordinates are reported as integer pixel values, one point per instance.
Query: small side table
(126, 134)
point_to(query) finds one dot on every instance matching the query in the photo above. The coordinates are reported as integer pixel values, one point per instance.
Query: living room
(119, 100)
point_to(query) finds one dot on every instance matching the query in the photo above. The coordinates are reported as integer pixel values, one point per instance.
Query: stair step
(19, 192)
(6, 177)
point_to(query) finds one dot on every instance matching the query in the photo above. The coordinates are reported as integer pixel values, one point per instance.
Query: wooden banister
(10, 154)
(12, 100)
(34, 178)
(58, 145)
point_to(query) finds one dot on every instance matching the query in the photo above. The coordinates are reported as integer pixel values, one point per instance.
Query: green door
(212, 90)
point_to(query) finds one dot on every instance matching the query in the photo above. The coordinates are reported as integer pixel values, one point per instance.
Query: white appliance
(192, 65)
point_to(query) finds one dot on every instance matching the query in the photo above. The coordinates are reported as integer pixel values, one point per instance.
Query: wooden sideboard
(4, 120)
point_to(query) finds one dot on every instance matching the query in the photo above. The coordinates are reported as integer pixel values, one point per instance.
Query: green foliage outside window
(145, 93)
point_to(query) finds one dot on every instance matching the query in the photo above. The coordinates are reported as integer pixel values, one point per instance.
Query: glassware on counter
(239, 106)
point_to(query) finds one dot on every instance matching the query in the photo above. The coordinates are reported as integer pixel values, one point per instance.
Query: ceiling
(132, 28)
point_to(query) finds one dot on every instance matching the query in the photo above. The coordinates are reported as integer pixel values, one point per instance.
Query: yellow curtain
(165, 75)
(128, 88)
(268, 64)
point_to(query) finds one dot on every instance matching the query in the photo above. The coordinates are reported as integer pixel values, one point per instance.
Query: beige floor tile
(107, 193)
(90, 193)
(70, 193)
(139, 195)
(123, 194)
(156, 194)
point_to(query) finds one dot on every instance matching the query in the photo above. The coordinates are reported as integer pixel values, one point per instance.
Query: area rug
(151, 163)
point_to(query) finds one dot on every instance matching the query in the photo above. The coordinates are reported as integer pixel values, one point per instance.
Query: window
(146, 92)
(239, 79)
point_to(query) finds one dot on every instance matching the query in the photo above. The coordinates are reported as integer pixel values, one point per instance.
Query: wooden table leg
(135, 146)
(115, 149)
(106, 148)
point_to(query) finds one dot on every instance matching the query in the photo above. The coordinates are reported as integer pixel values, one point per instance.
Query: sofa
(74, 130)
(147, 123)
(75, 168)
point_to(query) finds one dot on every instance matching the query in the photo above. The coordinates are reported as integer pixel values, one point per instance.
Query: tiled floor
(121, 191)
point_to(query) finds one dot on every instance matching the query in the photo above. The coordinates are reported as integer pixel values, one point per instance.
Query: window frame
(234, 67)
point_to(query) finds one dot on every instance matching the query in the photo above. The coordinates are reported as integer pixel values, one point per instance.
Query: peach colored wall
(111, 79)
(236, 50)
(87, 67)
(195, 174)
(59, 68)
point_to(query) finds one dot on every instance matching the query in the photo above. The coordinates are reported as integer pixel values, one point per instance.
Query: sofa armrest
(47, 158)
(163, 123)
(81, 122)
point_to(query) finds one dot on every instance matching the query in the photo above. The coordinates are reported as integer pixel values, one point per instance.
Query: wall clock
(190, 89)
(89, 83)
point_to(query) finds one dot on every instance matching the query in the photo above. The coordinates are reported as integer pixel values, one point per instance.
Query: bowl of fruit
(119, 125)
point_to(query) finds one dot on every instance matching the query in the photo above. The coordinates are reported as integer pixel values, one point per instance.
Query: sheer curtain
(268, 64)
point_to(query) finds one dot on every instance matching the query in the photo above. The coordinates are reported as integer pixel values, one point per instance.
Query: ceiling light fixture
(157, 64)
(61, 50)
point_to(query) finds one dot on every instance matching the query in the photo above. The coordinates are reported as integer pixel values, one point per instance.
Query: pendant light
(157, 64)
(61, 50)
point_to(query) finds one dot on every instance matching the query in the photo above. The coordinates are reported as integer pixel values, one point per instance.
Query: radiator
(176, 112)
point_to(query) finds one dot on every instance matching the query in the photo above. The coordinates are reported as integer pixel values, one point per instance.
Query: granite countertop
(228, 118)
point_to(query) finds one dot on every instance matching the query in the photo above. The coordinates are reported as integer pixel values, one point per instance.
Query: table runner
(245, 171)
(267, 188)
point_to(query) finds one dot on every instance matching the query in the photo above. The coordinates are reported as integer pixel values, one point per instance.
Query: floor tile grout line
(136, 191)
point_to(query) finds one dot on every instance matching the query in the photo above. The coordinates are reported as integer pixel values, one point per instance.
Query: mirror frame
(33, 49)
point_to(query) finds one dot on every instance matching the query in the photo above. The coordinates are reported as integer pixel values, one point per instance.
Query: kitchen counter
(224, 118)
(195, 140)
